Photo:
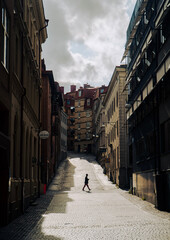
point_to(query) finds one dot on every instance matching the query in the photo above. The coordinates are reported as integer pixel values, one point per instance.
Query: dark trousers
(85, 186)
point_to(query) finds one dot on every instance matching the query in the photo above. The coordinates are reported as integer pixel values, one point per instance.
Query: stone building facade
(115, 129)
(99, 118)
(21, 23)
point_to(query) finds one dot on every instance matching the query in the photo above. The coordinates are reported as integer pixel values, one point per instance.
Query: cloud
(86, 39)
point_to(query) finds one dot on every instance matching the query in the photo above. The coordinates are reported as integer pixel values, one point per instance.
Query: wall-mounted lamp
(128, 105)
(104, 123)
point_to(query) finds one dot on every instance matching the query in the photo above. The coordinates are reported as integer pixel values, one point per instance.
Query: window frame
(5, 37)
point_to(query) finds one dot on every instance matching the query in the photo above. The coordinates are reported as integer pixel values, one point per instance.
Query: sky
(86, 39)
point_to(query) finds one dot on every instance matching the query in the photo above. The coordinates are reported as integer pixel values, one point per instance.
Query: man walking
(86, 182)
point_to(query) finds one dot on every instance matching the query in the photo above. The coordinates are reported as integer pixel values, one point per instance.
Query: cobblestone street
(106, 212)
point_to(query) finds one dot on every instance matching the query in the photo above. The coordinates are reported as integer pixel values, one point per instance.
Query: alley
(105, 212)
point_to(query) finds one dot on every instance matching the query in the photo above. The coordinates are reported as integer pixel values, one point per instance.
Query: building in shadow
(148, 115)
(23, 30)
(53, 120)
(69, 106)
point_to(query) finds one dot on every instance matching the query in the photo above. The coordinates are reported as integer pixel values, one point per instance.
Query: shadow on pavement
(29, 225)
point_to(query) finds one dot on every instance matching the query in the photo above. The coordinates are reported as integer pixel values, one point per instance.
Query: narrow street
(105, 212)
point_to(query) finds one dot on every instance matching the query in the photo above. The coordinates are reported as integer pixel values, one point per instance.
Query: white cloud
(86, 39)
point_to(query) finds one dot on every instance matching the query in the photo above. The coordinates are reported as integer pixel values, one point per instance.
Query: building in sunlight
(79, 108)
(99, 118)
(84, 100)
(118, 166)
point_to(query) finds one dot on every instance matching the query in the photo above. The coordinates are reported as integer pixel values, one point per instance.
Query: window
(87, 124)
(88, 102)
(118, 156)
(102, 90)
(150, 144)
(5, 39)
(117, 99)
(165, 137)
(72, 109)
(78, 137)
(79, 126)
(140, 149)
(117, 128)
(78, 103)
(87, 135)
(16, 55)
(87, 114)
(79, 114)
(162, 36)
(68, 102)
(130, 155)
(114, 105)
(80, 93)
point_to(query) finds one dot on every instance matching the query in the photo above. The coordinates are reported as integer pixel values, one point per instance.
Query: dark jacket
(86, 180)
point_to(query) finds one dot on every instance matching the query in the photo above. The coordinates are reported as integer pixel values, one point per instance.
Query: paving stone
(105, 212)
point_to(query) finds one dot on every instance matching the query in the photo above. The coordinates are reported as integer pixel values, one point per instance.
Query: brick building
(84, 100)
(79, 108)
(69, 99)
(51, 118)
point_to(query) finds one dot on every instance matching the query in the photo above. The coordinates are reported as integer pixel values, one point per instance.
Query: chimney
(73, 88)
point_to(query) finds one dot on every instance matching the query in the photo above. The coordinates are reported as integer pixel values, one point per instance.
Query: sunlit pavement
(105, 212)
